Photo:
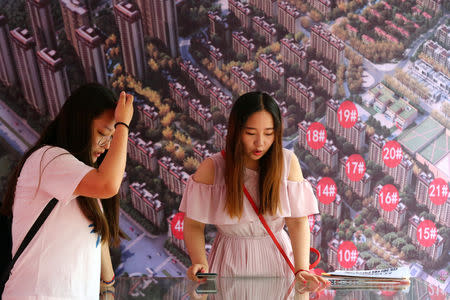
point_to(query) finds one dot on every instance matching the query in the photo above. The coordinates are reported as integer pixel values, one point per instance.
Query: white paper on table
(391, 273)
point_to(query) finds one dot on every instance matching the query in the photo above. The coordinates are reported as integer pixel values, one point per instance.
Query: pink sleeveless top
(241, 245)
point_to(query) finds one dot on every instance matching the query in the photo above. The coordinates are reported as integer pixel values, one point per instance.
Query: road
(15, 130)
(144, 253)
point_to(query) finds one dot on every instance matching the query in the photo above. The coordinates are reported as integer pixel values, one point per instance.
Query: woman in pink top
(214, 195)
(69, 256)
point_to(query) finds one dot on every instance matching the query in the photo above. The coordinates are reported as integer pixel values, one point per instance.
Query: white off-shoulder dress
(242, 246)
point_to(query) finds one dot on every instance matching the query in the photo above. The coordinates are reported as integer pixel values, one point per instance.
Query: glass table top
(264, 288)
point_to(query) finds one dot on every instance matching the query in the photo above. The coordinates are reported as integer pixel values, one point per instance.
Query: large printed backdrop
(363, 87)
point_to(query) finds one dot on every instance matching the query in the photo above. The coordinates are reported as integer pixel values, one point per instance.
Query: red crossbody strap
(263, 221)
(269, 231)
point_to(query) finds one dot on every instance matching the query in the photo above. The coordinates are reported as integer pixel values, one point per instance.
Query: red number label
(435, 293)
(347, 114)
(426, 233)
(326, 190)
(392, 154)
(388, 197)
(177, 225)
(316, 135)
(355, 167)
(438, 191)
(347, 254)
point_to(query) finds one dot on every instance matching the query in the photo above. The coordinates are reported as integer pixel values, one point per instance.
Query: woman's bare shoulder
(205, 172)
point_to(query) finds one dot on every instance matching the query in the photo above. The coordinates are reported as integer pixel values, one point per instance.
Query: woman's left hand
(309, 277)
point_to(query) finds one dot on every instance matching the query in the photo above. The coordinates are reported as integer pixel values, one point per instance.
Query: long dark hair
(72, 131)
(270, 165)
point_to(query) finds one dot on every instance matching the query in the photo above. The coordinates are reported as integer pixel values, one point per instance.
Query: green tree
(399, 243)
(391, 236)
(410, 251)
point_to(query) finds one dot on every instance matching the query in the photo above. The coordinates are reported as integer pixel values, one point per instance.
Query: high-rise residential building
(128, 20)
(142, 151)
(376, 145)
(23, 47)
(435, 250)
(148, 114)
(91, 49)
(443, 35)
(434, 5)
(215, 55)
(241, 44)
(179, 93)
(289, 16)
(159, 20)
(147, 203)
(42, 23)
(269, 7)
(423, 183)
(354, 135)
(201, 115)
(242, 12)
(8, 74)
(328, 154)
(395, 217)
(264, 28)
(302, 94)
(220, 135)
(327, 45)
(54, 80)
(201, 152)
(333, 209)
(361, 187)
(245, 82)
(217, 98)
(74, 15)
(322, 6)
(325, 78)
(271, 70)
(294, 53)
(200, 80)
(173, 175)
(219, 26)
(214, 21)
(438, 53)
(333, 260)
(402, 173)
(441, 212)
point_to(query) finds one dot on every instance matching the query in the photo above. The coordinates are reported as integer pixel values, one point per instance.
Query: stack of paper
(392, 278)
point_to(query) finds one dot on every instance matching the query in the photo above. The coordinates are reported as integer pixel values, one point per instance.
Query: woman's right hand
(124, 108)
(194, 269)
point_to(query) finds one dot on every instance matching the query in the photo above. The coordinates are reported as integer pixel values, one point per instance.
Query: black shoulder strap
(33, 230)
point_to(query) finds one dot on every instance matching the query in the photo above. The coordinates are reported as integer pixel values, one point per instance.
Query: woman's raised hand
(124, 108)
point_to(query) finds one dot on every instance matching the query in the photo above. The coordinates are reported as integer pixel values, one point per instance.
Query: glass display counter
(263, 288)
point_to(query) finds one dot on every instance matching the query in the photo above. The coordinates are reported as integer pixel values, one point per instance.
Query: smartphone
(206, 275)
(207, 287)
